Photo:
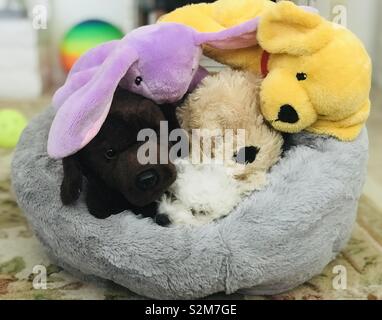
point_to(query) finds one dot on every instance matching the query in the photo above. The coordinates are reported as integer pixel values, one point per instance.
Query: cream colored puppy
(224, 108)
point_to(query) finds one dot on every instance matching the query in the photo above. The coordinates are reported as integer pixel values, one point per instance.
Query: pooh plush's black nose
(288, 114)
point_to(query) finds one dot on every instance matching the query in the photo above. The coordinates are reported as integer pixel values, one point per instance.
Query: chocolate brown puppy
(117, 181)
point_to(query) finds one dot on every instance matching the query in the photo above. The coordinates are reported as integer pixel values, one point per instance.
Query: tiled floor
(20, 251)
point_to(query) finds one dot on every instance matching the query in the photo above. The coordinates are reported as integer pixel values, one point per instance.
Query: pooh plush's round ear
(287, 28)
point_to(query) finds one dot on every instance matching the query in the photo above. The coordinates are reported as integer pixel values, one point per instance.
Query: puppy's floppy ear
(287, 28)
(71, 186)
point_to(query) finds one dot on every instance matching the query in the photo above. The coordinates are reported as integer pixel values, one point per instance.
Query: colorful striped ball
(85, 36)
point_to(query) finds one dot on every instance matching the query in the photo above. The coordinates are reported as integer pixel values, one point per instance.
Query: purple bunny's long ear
(74, 83)
(94, 57)
(82, 71)
(82, 115)
(240, 36)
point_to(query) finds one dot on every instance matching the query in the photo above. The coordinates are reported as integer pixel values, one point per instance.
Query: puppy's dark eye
(110, 154)
(138, 81)
(301, 76)
(246, 155)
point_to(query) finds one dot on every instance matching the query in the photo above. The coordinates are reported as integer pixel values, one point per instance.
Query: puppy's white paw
(201, 194)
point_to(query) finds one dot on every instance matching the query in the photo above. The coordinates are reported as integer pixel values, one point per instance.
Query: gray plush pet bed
(275, 240)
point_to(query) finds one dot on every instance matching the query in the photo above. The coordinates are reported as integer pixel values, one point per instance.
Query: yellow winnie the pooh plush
(317, 73)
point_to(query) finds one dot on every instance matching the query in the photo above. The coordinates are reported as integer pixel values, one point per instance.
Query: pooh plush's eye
(246, 155)
(138, 81)
(301, 76)
(110, 154)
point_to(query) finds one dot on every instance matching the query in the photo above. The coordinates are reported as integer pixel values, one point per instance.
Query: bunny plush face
(159, 62)
(154, 75)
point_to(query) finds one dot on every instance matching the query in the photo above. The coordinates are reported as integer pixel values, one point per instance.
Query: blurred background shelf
(362, 17)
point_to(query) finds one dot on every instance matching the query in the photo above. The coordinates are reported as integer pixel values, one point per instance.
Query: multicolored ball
(12, 124)
(85, 36)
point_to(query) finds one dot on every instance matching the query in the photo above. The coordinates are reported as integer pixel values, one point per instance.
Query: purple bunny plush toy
(159, 62)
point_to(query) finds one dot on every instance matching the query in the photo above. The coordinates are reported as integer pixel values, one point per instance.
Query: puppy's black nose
(288, 114)
(147, 180)
(162, 220)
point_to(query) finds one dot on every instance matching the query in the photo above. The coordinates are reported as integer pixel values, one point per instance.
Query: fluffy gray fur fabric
(274, 240)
